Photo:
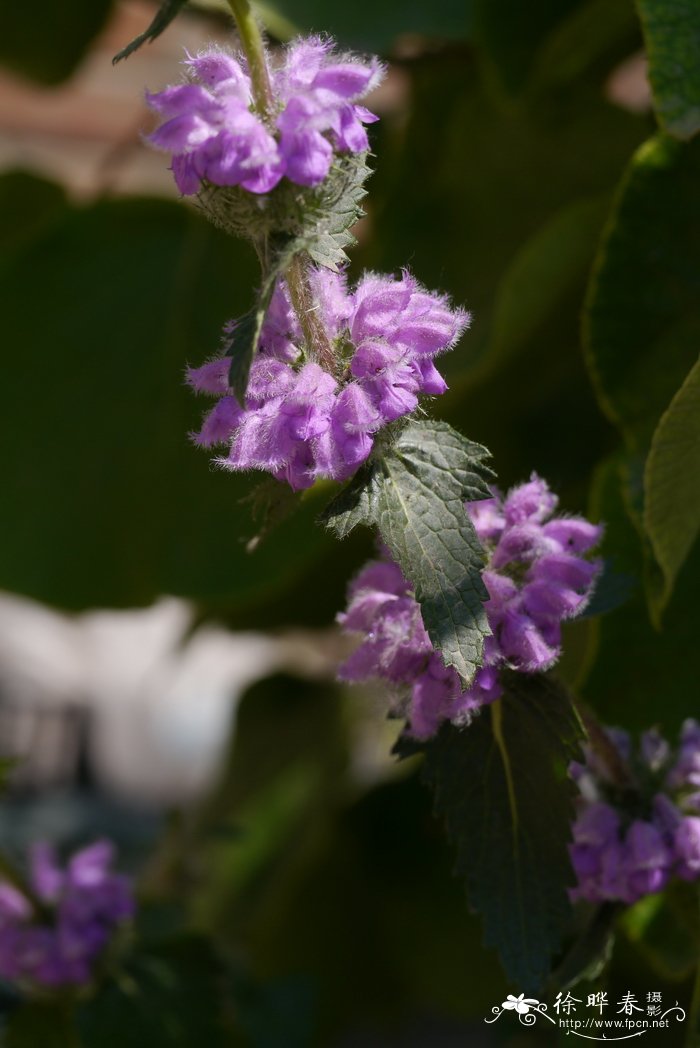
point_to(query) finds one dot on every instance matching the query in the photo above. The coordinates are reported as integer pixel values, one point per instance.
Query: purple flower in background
(82, 904)
(300, 422)
(537, 575)
(211, 129)
(617, 855)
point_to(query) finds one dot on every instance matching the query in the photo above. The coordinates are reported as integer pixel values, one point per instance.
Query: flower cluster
(536, 576)
(214, 133)
(81, 906)
(638, 823)
(300, 421)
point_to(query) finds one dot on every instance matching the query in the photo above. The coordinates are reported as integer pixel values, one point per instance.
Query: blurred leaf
(672, 34)
(540, 273)
(510, 33)
(375, 26)
(591, 949)
(666, 929)
(333, 212)
(168, 997)
(502, 789)
(107, 502)
(414, 493)
(163, 17)
(382, 857)
(671, 482)
(47, 44)
(283, 769)
(35, 1024)
(595, 31)
(469, 218)
(643, 310)
(633, 664)
(27, 204)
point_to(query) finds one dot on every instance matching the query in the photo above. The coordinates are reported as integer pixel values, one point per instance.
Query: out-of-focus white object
(161, 698)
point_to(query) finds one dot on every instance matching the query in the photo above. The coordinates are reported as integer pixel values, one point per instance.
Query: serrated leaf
(355, 504)
(334, 210)
(426, 478)
(315, 221)
(672, 483)
(414, 493)
(502, 790)
(163, 17)
(672, 35)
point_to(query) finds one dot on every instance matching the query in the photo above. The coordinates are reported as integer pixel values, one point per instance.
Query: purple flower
(300, 422)
(686, 841)
(85, 903)
(547, 556)
(214, 134)
(617, 855)
(527, 597)
(685, 773)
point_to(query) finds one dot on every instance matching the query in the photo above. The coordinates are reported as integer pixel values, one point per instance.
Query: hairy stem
(314, 333)
(252, 41)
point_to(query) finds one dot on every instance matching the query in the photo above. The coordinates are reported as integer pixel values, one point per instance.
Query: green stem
(319, 348)
(254, 48)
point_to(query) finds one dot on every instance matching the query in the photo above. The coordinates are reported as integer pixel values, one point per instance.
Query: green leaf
(47, 42)
(502, 790)
(671, 488)
(432, 471)
(320, 222)
(642, 320)
(294, 218)
(108, 504)
(672, 34)
(632, 662)
(414, 493)
(357, 503)
(596, 33)
(333, 212)
(243, 342)
(163, 17)
(541, 273)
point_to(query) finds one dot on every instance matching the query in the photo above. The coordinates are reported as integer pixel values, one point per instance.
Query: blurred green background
(502, 157)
